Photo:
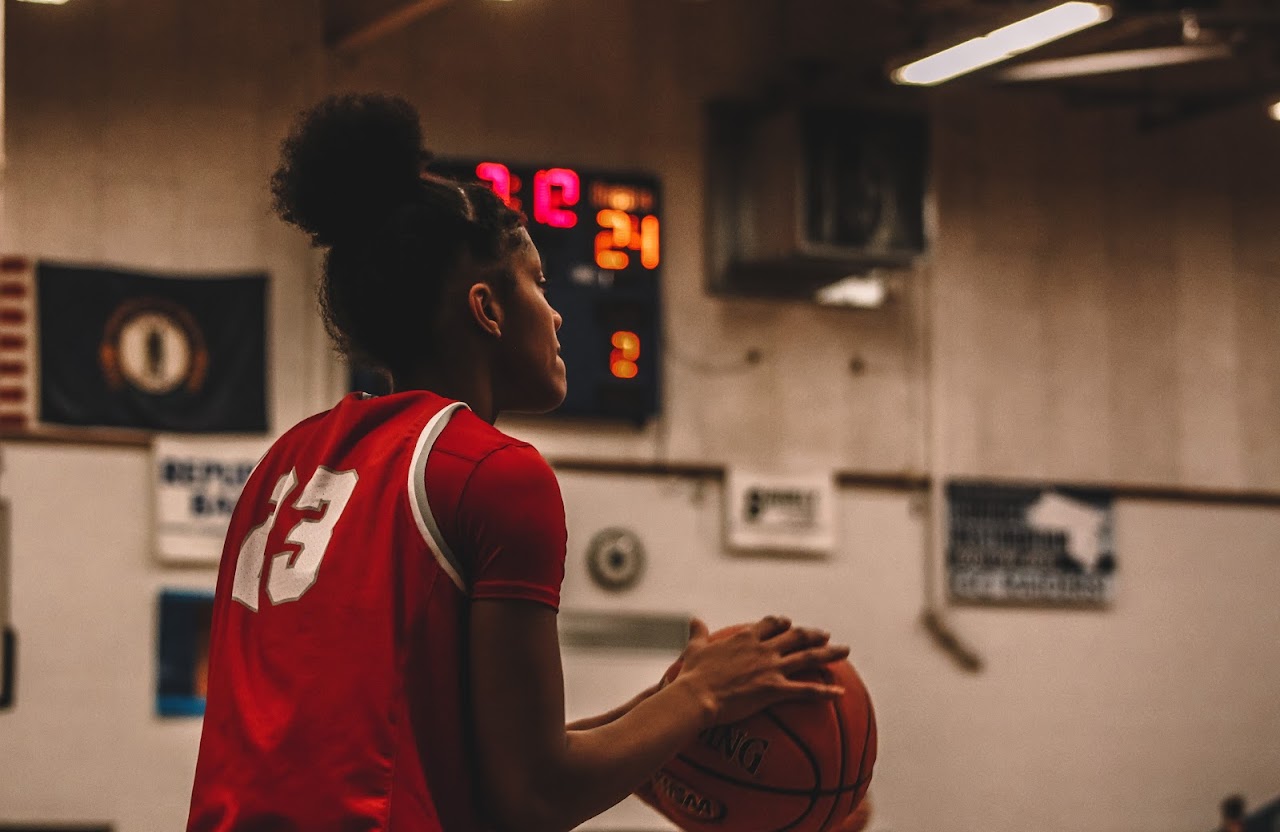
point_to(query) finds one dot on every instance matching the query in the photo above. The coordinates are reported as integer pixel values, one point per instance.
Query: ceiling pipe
(1103, 63)
(393, 21)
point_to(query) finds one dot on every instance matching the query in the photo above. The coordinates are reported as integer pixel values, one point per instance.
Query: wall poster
(1030, 544)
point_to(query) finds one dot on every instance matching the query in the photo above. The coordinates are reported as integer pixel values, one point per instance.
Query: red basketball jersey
(338, 659)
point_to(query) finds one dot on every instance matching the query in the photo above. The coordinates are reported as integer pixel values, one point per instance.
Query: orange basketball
(794, 767)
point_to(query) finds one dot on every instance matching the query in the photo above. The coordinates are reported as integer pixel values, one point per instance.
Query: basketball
(796, 766)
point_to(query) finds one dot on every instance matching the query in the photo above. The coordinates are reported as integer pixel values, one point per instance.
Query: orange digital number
(617, 234)
(626, 351)
(649, 255)
(624, 231)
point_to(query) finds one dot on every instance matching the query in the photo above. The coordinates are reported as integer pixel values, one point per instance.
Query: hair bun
(348, 164)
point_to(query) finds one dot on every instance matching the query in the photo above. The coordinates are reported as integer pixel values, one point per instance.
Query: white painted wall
(1134, 719)
(1138, 718)
(83, 743)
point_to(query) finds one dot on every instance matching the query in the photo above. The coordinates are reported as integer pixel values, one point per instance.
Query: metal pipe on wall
(933, 421)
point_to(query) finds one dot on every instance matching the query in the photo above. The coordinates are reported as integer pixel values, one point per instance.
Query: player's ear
(485, 308)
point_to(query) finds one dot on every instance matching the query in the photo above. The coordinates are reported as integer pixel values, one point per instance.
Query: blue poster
(182, 651)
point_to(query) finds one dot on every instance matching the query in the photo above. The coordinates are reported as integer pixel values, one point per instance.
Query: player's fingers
(770, 626)
(697, 630)
(808, 690)
(799, 638)
(813, 657)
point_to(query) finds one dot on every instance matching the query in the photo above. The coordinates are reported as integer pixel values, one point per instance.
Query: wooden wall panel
(1255, 216)
(144, 137)
(1204, 286)
(1108, 296)
(1105, 298)
(1075, 280)
(1141, 306)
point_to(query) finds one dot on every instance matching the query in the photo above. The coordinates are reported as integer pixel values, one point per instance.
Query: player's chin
(546, 397)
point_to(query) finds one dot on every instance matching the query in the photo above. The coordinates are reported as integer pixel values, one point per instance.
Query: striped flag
(90, 347)
(17, 344)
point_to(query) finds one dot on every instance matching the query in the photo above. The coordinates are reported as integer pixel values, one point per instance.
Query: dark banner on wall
(120, 349)
(1017, 544)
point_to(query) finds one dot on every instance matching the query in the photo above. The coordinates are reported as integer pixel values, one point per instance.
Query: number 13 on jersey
(289, 575)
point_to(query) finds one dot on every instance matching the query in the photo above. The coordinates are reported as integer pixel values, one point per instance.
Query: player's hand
(751, 667)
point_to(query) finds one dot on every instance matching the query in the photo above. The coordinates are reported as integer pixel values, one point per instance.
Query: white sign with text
(780, 512)
(197, 481)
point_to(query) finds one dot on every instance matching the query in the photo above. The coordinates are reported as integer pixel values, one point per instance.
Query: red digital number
(499, 178)
(553, 191)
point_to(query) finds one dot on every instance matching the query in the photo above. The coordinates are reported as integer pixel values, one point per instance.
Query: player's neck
(468, 384)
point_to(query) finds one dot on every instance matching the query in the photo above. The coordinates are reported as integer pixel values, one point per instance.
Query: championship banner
(197, 483)
(131, 350)
(1030, 544)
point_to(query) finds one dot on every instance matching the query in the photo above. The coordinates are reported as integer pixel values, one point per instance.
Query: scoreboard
(600, 237)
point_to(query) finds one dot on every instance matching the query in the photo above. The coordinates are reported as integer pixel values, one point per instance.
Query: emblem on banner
(154, 345)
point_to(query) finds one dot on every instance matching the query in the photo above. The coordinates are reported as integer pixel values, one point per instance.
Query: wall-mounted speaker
(800, 198)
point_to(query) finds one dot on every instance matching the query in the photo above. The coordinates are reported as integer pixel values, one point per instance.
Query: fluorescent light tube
(1121, 61)
(1003, 43)
(46, 2)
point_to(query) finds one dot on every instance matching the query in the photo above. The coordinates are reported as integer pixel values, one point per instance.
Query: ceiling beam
(367, 32)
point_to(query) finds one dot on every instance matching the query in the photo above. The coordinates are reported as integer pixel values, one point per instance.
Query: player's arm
(605, 718)
(537, 776)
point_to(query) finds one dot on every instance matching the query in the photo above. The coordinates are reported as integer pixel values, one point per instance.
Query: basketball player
(384, 652)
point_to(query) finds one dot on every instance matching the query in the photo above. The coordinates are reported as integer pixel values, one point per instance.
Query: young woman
(384, 652)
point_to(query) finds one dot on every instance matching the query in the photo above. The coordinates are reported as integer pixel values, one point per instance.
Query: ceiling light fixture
(1274, 111)
(1003, 43)
(46, 2)
(1100, 63)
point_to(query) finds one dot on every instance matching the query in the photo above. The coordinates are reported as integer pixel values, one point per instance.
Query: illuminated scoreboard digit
(599, 234)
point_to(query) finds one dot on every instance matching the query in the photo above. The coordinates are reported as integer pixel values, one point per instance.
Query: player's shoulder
(494, 469)
(473, 440)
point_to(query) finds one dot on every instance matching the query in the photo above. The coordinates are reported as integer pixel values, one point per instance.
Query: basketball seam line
(813, 763)
(770, 789)
(871, 720)
(835, 804)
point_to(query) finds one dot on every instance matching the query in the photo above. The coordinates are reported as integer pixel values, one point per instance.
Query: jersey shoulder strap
(417, 485)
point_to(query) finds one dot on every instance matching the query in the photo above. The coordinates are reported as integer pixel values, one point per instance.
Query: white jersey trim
(418, 496)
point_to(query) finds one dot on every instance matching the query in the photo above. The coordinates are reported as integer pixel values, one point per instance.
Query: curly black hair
(352, 176)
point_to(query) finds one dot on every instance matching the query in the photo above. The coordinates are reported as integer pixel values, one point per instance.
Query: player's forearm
(603, 765)
(588, 723)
